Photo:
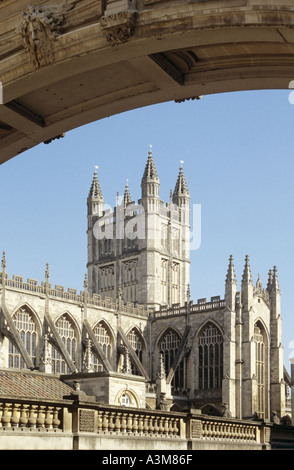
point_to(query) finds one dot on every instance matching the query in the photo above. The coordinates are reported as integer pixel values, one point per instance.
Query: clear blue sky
(238, 151)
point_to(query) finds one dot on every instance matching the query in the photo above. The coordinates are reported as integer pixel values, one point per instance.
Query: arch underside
(169, 52)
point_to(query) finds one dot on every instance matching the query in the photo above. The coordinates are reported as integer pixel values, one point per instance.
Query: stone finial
(275, 283)
(47, 272)
(247, 277)
(270, 280)
(86, 282)
(127, 195)
(188, 294)
(231, 275)
(3, 262)
(150, 172)
(95, 190)
(181, 187)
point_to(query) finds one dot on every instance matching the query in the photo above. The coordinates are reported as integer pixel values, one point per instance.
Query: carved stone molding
(39, 27)
(119, 27)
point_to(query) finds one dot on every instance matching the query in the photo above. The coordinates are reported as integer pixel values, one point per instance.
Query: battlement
(202, 305)
(72, 295)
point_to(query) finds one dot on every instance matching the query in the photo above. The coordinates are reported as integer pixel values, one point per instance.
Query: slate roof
(32, 385)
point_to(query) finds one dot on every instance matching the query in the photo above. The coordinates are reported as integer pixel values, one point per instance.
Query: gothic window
(260, 355)
(137, 345)
(106, 280)
(104, 339)
(169, 345)
(130, 281)
(26, 326)
(176, 240)
(67, 334)
(164, 281)
(175, 283)
(210, 357)
(164, 236)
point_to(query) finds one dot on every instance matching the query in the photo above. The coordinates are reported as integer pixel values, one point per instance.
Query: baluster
(171, 427)
(129, 423)
(32, 416)
(151, 425)
(140, 425)
(166, 426)
(1, 414)
(135, 424)
(49, 417)
(111, 424)
(23, 420)
(161, 429)
(156, 427)
(99, 422)
(124, 423)
(41, 417)
(15, 415)
(176, 430)
(117, 425)
(6, 415)
(105, 421)
(56, 420)
(146, 425)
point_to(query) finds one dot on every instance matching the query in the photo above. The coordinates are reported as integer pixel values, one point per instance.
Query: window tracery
(169, 346)
(26, 326)
(67, 334)
(210, 357)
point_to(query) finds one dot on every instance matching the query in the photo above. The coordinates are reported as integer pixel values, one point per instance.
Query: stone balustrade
(93, 422)
(29, 416)
(138, 423)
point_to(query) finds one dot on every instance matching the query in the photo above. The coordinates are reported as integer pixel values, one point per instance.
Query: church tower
(140, 251)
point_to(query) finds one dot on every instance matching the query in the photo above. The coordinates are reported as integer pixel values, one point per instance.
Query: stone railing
(29, 416)
(59, 292)
(71, 418)
(202, 305)
(224, 429)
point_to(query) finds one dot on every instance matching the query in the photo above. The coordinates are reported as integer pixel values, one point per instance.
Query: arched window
(104, 339)
(26, 326)
(260, 356)
(137, 344)
(67, 334)
(169, 345)
(210, 357)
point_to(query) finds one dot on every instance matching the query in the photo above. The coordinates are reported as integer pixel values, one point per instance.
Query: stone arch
(69, 334)
(105, 337)
(127, 397)
(28, 326)
(167, 346)
(209, 360)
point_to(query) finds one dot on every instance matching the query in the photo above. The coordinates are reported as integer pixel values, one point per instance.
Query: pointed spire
(150, 172)
(247, 278)
(95, 190)
(127, 195)
(181, 188)
(231, 275)
(275, 283)
(259, 283)
(270, 280)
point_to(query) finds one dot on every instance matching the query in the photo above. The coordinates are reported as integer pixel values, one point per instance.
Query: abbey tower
(140, 251)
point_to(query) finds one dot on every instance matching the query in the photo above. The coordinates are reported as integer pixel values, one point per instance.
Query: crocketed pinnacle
(181, 188)
(95, 190)
(247, 277)
(127, 195)
(231, 275)
(150, 172)
(275, 283)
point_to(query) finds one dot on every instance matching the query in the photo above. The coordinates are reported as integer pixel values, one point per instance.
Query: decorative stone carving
(119, 27)
(40, 26)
